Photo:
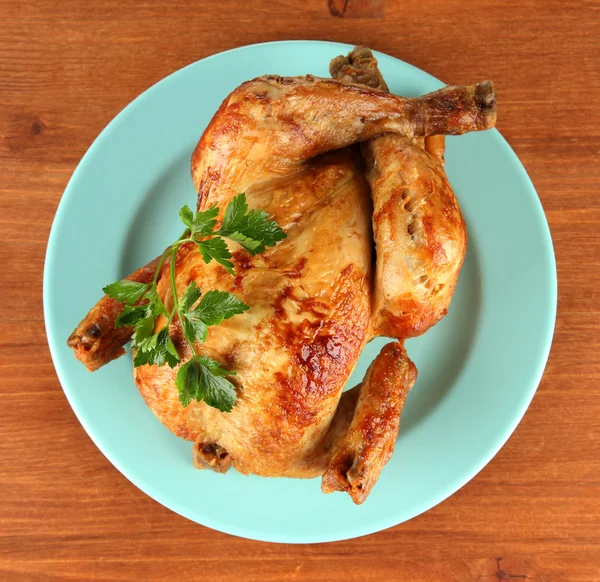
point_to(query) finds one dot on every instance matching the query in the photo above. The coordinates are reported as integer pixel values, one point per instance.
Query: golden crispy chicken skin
(420, 235)
(269, 126)
(296, 346)
(96, 341)
(420, 239)
(368, 444)
(314, 298)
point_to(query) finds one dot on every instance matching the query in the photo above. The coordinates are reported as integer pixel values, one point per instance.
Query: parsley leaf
(194, 329)
(187, 216)
(191, 295)
(204, 222)
(252, 246)
(212, 310)
(217, 306)
(216, 248)
(142, 357)
(166, 352)
(214, 366)
(143, 333)
(126, 291)
(204, 379)
(130, 315)
(158, 350)
(216, 390)
(258, 227)
(253, 230)
(187, 382)
(155, 305)
(234, 214)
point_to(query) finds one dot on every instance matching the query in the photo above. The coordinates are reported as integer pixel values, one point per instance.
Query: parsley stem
(159, 266)
(174, 251)
(176, 310)
(183, 238)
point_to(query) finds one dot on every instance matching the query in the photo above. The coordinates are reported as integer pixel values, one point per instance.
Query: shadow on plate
(441, 353)
(156, 223)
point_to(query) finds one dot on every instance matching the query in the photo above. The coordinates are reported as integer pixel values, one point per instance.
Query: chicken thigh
(314, 300)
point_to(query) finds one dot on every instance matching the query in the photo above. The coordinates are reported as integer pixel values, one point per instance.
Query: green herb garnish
(201, 378)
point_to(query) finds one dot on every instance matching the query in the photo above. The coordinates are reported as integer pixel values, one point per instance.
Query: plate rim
(264, 535)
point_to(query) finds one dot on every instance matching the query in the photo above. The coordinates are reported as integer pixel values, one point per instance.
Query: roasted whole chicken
(375, 242)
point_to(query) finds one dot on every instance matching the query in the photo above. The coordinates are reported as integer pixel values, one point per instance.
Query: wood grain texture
(66, 68)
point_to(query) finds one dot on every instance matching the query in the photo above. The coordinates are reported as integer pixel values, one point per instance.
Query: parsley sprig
(200, 378)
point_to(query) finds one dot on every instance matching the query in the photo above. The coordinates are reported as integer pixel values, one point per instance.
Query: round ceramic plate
(478, 368)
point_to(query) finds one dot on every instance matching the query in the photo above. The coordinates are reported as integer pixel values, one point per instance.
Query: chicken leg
(419, 231)
(414, 281)
(269, 126)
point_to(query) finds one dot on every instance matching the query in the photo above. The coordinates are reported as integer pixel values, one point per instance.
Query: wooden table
(67, 67)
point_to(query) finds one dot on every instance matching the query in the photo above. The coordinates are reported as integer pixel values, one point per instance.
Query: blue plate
(478, 368)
